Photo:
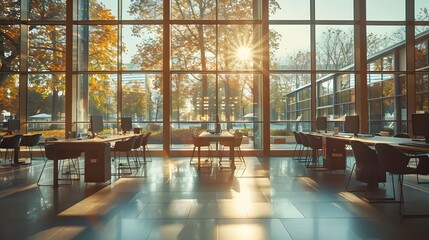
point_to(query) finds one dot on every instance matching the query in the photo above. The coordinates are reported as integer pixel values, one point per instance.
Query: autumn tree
(47, 51)
(201, 48)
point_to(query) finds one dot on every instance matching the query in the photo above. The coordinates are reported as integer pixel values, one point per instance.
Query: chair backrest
(145, 139)
(364, 155)
(314, 142)
(391, 159)
(11, 142)
(297, 137)
(138, 141)
(30, 140)
(126, 145)
(304, 139)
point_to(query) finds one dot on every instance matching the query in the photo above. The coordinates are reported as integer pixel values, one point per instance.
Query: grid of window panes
(215, 64)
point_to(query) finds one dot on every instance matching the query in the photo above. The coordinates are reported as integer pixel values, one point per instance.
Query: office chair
(10, 144)
(236, 144)
(50, 153)
(305, 146)
(315, 144)
(297, 152)
(30, 141)
(367, 169)
(136, 147)
(198, 143)
(395, 162)
(145, 148)
(124, 147)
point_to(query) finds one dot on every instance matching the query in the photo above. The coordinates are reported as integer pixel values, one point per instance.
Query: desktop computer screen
(351, 124)
(321, 124)
(420, 123)
(126, 124)
(96, 124)
(13, 125)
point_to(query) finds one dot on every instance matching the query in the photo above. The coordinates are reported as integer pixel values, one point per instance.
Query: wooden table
(97, 156)
(217, 137)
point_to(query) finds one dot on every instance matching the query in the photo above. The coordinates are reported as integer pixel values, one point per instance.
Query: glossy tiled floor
(270, 198)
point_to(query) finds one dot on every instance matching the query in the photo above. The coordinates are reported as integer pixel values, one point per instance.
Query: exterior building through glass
(264, 67)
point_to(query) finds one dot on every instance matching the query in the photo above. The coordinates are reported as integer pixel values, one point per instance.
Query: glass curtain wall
(311, 62)
(202, 59)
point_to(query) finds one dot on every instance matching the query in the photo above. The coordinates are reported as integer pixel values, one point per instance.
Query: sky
(299, 10)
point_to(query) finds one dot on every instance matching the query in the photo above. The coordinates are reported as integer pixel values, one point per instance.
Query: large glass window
(218, 60)
(97, 96)
(46, 104)
(135, 10)
(142, 47)
(335, 47)
(47, 45)
(193, 47)
(39, 10)
(290, 10)
(11, 10)
(334, 9)
(287, 51)
(396, 10)
(10, 42)
(9, 102)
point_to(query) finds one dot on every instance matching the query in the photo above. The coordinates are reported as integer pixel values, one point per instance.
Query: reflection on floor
(270, 198)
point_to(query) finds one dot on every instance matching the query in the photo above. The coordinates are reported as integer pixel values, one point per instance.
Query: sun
(243, 54)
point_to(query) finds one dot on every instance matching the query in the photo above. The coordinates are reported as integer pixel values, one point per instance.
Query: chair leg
(350, 176)
(314, 158)
(41, 173)
(192, 156)
(240, 155)
(148, 152)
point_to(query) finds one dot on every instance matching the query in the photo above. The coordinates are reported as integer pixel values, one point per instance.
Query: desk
(334, 147)
(97, 156)
(217, 137)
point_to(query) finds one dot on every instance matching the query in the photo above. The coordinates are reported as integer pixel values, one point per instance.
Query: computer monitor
(13, 125)
(126, 124)
(420, 123)
(321, 124)
(351, 124)
(96, 124)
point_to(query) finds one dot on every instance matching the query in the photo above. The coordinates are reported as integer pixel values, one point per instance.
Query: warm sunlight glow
(244, 54)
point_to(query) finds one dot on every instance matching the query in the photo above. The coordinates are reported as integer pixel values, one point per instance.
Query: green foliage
(153, 127)
(281, 132)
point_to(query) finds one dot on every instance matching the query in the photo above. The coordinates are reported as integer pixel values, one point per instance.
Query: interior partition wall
(266, 68)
